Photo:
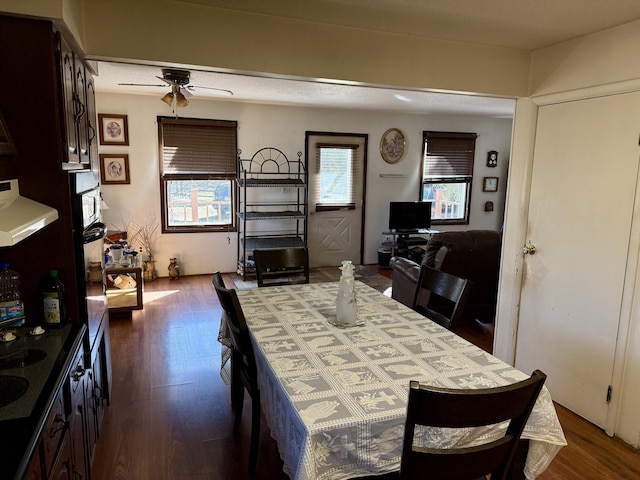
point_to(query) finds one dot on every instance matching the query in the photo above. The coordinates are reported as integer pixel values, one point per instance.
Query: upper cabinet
(92, 126)
(77, 98)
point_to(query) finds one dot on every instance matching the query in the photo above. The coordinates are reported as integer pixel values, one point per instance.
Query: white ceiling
(523, 24)
(275, 91)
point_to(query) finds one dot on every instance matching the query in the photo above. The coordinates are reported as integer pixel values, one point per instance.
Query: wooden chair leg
(255, 433)
(236, 383)
(238, 415)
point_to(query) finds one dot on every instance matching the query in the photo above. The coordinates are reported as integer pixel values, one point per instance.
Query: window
(197, 174)
(447, 171)
(338, 165)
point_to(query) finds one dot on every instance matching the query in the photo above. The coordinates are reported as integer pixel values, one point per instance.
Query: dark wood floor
(170, 415)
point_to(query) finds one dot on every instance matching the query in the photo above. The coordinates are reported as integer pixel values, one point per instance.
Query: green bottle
(55, 314)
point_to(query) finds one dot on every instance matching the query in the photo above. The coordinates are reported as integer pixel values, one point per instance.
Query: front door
(336, 199)
(584, 178)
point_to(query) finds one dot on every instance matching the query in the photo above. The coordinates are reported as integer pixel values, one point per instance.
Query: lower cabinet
(70, 434)
(34, 470)
(63, 466)
(78, 416)
(54, 432)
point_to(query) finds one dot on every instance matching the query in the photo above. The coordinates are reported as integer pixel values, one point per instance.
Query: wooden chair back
(284, 266)
(238, 329)
(244, 373)
(454, 290)
(451, 408)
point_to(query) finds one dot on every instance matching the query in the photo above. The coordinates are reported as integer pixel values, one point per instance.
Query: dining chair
(434, 407)
(243, 365)
(283, 266)
(447, 296)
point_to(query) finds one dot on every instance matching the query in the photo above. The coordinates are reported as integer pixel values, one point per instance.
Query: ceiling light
(168, 99)
(181, 100)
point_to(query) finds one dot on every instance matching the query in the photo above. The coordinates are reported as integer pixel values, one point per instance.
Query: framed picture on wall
(114, 169)
(392, 145)
(113, 129)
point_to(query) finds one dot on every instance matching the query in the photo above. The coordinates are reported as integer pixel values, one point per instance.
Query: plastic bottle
(55, 314)
(346, 313)
(11, 305)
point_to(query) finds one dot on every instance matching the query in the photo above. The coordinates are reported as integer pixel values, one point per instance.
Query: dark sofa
(474, 255)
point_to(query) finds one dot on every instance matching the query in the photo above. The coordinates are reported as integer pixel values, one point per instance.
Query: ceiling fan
(178, 80)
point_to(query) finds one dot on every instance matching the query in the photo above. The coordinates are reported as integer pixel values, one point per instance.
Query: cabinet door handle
(92, 133)
(97, 397)
(79, 373)
(78, 107)
(83, 109)
(58, 424)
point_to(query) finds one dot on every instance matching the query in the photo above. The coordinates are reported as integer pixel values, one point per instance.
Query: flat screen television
(409, 216)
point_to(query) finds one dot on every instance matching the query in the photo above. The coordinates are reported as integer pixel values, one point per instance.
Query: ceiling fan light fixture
(181, 100)
(168, 99)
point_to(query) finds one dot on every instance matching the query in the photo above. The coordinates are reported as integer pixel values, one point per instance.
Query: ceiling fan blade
(141, 85)
(216, 91)
(168, 82)
(186, 92)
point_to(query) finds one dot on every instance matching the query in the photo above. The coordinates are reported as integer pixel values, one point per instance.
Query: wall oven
(89, 233)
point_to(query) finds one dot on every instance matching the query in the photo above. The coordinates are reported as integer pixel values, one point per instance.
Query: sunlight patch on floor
(149, 297)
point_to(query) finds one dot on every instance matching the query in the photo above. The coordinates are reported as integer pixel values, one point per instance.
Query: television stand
(402, 241)
(408, 241)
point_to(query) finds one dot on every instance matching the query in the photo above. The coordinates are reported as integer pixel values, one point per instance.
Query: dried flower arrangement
(143, 236)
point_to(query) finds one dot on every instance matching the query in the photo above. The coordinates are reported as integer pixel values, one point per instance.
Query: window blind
(448, 155)
(329, 159)
(193, 146)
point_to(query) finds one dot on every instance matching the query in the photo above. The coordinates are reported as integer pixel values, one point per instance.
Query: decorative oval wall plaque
(392, 145)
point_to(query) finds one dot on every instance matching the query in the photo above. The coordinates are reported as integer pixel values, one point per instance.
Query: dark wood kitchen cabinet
(63, 450)
(52, 120)
(37, 122)
(78, 416)
(55, 431)
(34, 470)
(77, 99)
(63, 466)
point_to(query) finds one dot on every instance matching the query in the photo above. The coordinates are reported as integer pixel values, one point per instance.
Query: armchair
(474, 255)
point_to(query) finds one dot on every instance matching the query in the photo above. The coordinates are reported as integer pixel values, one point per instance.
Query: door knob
(529, 249)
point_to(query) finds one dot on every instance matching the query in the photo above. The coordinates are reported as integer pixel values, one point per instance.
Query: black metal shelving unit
(272, 204)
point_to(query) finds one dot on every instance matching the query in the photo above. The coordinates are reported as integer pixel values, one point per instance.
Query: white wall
(194, 33)
(604, 58)
(284, 127)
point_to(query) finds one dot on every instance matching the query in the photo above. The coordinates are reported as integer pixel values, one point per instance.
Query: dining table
(335, 398)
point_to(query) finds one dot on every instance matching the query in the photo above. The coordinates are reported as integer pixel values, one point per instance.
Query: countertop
(44, 362)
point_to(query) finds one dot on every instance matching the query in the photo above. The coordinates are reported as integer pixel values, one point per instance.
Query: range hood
(20, 216)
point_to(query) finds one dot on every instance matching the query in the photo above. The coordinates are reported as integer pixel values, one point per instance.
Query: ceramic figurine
(94, 274)
(174, 268)
(148, 272)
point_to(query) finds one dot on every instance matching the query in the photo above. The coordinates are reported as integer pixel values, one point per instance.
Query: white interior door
(584, 180)
(335, 235)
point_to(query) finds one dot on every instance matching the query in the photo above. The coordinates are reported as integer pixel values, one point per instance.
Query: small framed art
(490, 184)
(114, 169)
(113, 129)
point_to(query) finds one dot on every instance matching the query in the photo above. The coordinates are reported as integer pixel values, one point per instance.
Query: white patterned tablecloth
(335, 399)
